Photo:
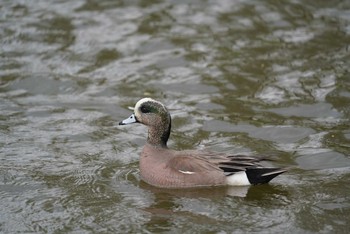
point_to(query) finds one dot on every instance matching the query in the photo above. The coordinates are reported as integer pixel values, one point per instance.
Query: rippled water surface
(252, 77)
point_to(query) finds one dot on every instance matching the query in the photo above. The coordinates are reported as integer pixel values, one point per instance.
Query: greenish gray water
(253, 77)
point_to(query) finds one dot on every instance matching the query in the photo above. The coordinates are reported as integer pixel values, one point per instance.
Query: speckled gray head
(145, 106)
(155, 116)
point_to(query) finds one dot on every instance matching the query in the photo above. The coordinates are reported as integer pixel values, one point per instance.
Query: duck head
(156, 117)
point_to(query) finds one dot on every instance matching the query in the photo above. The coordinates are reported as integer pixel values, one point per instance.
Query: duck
(163, 167)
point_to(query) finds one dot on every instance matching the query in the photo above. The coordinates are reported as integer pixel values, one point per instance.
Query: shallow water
(252, 77)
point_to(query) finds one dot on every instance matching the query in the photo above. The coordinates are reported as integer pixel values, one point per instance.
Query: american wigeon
(167, 168)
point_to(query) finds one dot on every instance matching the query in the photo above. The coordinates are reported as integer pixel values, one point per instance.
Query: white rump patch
(187, 172)
(238, 179)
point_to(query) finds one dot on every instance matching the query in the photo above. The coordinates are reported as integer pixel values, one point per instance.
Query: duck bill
(130, 120)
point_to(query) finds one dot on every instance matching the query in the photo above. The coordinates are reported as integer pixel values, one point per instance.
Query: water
(253, 77)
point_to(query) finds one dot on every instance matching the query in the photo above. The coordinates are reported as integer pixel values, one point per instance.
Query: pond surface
(252, 77)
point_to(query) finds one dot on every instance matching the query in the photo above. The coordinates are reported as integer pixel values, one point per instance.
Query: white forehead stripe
(143, 100)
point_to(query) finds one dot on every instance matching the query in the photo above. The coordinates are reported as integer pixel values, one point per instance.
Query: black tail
(263, 175)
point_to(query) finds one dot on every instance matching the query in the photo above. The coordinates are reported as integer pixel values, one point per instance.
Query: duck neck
(159, 135)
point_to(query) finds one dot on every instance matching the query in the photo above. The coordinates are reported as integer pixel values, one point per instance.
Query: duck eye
(145, 109)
